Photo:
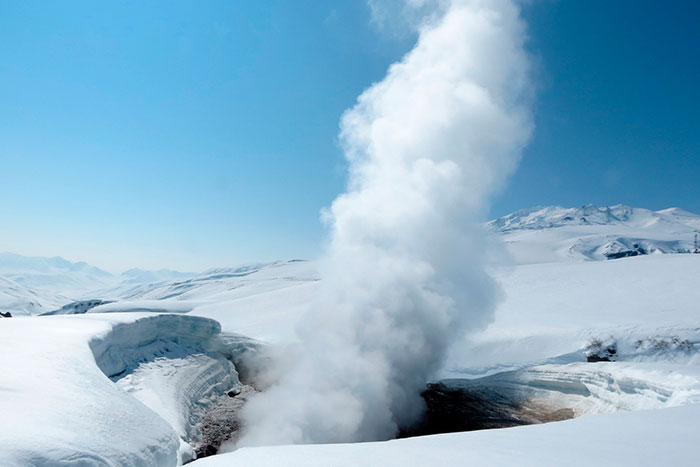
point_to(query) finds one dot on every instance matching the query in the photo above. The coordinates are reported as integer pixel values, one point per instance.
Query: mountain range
(543, 234)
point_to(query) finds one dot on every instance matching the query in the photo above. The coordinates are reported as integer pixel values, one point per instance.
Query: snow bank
(131, 343)
(145, 306)
(61, 408)
(172, 364)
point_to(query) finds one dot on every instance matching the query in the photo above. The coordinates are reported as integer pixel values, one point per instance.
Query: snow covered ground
(126, 376)
(552, 309)
(60, 404)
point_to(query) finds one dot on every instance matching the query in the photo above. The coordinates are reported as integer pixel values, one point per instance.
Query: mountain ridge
(541, 234)
(541, 217)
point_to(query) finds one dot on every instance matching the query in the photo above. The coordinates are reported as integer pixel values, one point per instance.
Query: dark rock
(458, 409)
(597, 351)
(636, 250)
(222, 422)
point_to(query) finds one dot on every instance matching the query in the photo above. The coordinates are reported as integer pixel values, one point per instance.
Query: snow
(62, 407)
(20, 300)
(159, 342)
(552, 309)
(35, 285)
(552, 233)
(262, 301)
(587, 388)
(537, 235)
(547, 217)
(52, 274)
(141, 276)
(138, 306)
(647, 438)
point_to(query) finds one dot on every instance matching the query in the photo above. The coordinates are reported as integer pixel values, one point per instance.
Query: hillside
(35, 285)
(551, 233)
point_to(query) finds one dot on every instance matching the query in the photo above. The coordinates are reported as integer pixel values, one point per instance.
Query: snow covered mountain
(34, 285)
(552, 233)
(17, 299)
(52, 274)
(539, 217)
(535, 235)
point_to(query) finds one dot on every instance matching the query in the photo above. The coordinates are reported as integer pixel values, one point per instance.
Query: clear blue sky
(199, 134)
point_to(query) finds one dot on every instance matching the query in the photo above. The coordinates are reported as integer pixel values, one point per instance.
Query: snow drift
(61, 408)
(404, 268)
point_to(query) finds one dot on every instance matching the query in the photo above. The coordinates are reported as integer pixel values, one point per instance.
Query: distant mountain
(548, 217)
(216, 281)
(140, 276)
(14, 263)
(20, 300)
(32, 285)
(55, 274)
(553, 233)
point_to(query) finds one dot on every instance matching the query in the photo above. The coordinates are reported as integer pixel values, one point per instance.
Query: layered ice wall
(404, 272)
(57, 397)
(60, 409)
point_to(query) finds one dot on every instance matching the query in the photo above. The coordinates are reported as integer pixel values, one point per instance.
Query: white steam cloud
(404, 272)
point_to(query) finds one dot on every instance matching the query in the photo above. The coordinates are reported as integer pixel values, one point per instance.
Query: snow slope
(230, 282)
(263, 301)
(553, 309)
(20, 300)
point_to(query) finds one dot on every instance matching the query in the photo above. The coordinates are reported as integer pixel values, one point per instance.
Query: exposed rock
(222, 423)
(599, 351)
(454, 409)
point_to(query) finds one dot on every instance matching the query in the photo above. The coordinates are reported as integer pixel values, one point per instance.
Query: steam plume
(404, 273)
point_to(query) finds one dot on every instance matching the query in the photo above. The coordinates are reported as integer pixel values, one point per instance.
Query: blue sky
(197, 134)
